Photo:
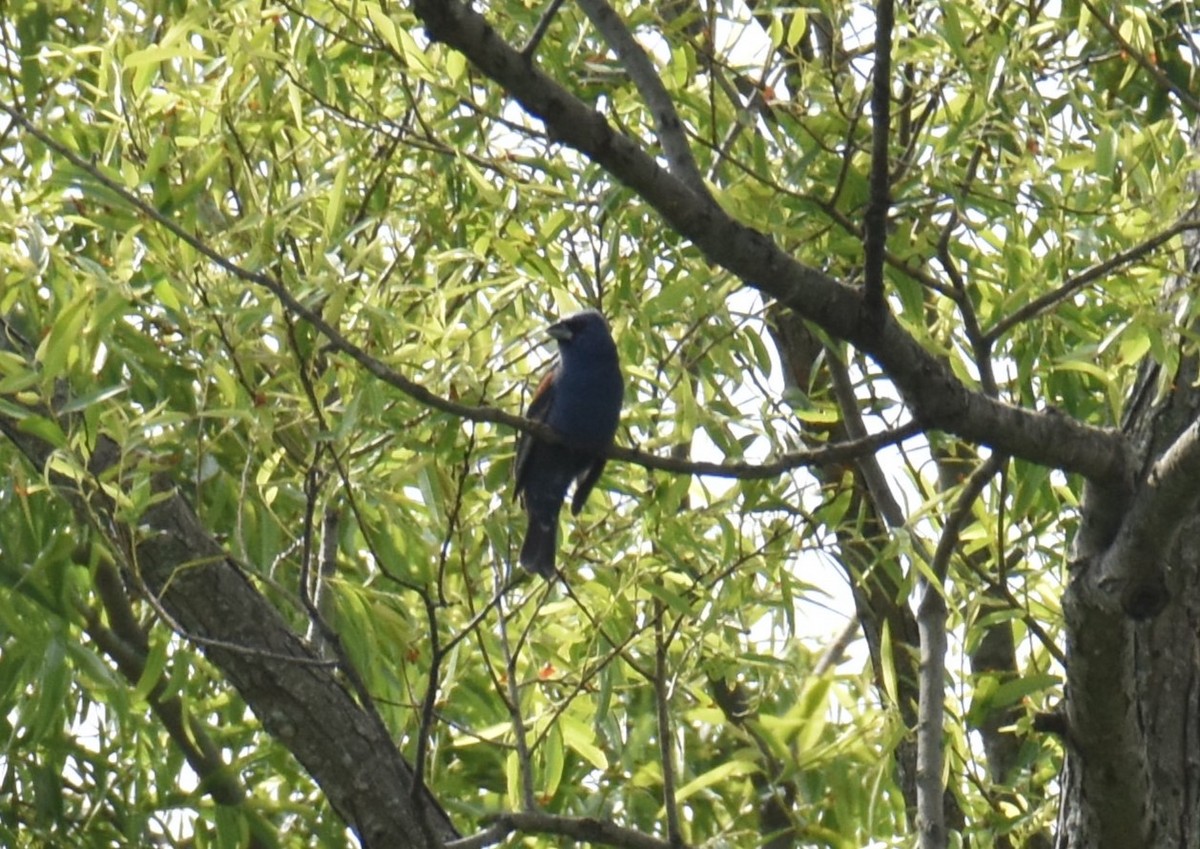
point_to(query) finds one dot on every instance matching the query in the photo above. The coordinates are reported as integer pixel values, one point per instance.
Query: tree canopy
(890, 285)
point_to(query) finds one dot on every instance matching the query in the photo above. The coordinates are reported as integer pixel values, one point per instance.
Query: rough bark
(1132, 689)
(1132, 775)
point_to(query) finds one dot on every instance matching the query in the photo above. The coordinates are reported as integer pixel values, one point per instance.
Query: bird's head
(584, 333)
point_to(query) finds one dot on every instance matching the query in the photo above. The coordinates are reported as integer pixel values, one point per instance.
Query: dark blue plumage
(581, 399)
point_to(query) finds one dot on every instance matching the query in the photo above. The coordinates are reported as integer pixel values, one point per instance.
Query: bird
(580, 397)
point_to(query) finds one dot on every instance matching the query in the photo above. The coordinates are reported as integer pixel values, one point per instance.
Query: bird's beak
(559, 331)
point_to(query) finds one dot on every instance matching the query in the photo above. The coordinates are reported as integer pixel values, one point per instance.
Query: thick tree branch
(937, 396)
(1132, 567)
(1107, 777)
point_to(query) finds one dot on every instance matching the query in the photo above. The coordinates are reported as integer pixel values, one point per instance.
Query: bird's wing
(584, 483)
(539, 411)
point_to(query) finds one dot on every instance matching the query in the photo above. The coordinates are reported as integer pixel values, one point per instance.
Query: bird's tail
(537, 552)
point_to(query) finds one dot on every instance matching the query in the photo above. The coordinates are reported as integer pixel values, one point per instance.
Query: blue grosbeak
(580, 397)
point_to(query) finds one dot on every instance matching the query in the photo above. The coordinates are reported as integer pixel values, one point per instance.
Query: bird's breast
(587, 405)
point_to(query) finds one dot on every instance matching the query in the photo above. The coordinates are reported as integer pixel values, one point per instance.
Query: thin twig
(539, 31)
(588, 830)
(525, 765)
(875, 238)
(981, 348)
(431, 692)
(833, 653)
(665, 736)
(1073, 284)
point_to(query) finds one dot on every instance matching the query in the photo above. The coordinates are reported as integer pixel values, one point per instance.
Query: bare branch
(839, 452)
(931, 625)
(641, 70)
(1041, 304)
(582, 829)
(875, 240)
(501, 828)
(666, 744)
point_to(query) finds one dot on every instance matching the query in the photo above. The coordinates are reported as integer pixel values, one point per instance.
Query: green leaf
(719, 773)
(553, 760)
(384, 26)
(61, 345)
(580, 739)
(96, 396)
(512, 774)
(337, 200)
(152, 671)
(1106, 153)
(43, 428)
(1011, 692)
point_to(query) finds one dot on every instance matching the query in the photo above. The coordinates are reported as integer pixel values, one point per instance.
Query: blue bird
(580, 397)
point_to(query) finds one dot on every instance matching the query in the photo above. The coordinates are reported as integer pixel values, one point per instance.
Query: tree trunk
(1133, 718)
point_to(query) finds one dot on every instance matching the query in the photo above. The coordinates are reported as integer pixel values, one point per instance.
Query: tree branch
(539, 31)
(513, 700)
(1132, 567)
(582, 829)
(641, 70)
(931, 625)
(666, 743)
(1043, 303)
(876, 223)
